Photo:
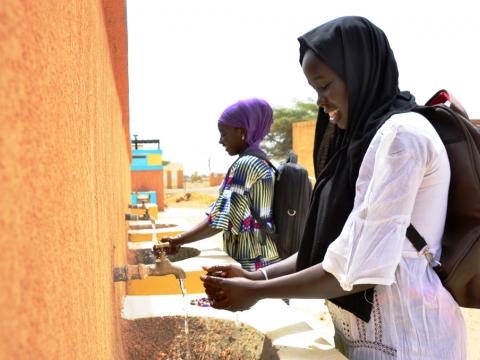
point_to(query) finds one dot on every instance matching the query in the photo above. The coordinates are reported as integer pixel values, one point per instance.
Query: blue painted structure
(146, 160)
(151, 194)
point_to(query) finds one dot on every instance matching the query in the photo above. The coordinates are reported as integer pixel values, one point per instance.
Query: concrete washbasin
(153, 327)
(154, 311)
(209, 338)
(142, 230)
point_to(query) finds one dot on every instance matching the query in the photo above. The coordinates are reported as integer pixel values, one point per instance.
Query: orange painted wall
(64, 175)
(179, 179)
(150, 180)
(303, 134)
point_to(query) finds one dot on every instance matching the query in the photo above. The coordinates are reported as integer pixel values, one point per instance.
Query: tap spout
(162, 267)
(130, 272)
(136, 217)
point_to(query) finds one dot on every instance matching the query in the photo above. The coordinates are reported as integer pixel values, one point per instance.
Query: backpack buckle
(429, 256)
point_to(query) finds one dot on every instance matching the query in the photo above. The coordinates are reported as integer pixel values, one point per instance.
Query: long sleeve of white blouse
(369, 248)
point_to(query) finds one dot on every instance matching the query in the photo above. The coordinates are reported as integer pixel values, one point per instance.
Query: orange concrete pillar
(169, 179)
(180, 179)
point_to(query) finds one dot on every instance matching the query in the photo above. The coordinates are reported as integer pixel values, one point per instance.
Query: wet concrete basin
(208, 338)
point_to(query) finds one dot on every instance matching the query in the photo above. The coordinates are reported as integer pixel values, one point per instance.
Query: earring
(243, 137)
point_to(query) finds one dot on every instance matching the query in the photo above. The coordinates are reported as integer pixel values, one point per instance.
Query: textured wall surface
(64, 174)
(149, 180)
(303, 134)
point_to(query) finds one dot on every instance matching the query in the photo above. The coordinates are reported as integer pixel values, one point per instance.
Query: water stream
(154, 233)
(185, 310)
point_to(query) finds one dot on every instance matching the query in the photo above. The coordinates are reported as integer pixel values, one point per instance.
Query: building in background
(303, 134)
(173, 176)
(147, 171)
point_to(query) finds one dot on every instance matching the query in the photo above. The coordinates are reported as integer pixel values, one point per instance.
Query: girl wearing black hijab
(379, 167)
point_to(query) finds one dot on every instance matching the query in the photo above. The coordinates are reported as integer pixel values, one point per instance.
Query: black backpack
(291, 200)
(459, 267)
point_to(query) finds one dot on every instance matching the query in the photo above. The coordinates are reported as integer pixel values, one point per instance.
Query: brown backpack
(459, 267)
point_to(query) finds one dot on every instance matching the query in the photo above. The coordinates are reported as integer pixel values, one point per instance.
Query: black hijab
(360, 54)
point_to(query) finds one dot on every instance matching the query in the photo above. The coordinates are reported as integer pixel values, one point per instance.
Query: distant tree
(278, 142)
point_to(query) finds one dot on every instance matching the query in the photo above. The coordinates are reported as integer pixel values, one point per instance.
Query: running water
(185, 309)
(154, 232)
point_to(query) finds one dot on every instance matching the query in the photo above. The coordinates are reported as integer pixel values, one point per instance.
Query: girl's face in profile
(332, 94)
(231, 139)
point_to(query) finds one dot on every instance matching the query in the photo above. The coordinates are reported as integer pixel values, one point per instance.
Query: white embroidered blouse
(403, 179)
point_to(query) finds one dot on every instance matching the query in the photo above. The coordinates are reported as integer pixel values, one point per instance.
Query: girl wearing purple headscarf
(247, 190)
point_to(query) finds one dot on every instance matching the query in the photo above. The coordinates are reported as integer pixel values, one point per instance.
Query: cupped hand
(224, 271)
(234, 294)
(228, 271)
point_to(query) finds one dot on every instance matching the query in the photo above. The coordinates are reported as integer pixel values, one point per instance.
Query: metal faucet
(162, 267)
(137, 217)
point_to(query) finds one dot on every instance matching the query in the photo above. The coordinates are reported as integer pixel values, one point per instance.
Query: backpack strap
(416, 239)
(292, 158)
(257, 153)
(261, 155)
(421, 246)
(265, 227)
(446, 99)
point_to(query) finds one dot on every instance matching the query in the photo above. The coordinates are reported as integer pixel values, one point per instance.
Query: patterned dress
(248, 186)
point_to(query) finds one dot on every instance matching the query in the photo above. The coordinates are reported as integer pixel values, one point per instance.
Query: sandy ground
(193, 195)
(201, 196)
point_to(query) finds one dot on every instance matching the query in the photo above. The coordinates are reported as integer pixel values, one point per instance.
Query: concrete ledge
(291, 333)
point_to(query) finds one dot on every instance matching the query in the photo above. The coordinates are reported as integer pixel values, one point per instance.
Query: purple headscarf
(253, 115)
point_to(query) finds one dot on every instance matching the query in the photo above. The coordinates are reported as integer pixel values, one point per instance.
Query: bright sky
(190, 59)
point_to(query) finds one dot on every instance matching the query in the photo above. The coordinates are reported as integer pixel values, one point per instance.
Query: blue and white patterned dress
(248, 186)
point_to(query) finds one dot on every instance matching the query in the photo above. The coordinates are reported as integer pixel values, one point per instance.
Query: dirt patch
(209, 339)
